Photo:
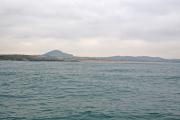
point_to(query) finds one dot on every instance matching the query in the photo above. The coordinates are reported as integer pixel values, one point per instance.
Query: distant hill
(54, 55)
(57, 54)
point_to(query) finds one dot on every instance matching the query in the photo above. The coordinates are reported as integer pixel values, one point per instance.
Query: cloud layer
(91, 27)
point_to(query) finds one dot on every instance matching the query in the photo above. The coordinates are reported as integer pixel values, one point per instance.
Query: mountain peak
(57, 53)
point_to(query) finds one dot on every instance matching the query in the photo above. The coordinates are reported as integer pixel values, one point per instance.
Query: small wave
(118, 70)
(13, 118)
(79, 116)
(150, 116)
(173, 78)
(13, 96)
(5, 84)
(7, 73)
(91, 115)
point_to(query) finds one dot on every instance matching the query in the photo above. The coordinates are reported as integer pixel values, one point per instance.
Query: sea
(89, 91)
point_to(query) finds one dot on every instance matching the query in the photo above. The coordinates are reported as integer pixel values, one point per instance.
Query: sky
(91, 27)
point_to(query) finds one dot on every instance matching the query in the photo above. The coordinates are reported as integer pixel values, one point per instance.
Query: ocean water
(89, 91)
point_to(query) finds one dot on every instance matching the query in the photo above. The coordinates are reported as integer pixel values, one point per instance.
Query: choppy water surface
(89, 91)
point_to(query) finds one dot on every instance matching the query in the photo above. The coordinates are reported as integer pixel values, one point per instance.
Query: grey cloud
(147, 20)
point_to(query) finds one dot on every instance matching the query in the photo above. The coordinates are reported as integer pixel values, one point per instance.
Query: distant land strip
(56, 55)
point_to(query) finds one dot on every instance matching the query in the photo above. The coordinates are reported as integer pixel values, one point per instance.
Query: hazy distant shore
(56, 55)
(82, 59)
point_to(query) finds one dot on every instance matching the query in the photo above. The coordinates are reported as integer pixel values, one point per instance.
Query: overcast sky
(91, 27)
